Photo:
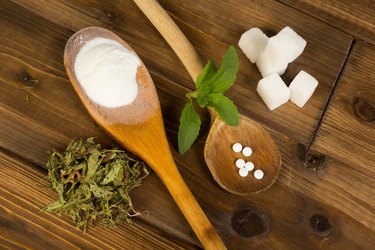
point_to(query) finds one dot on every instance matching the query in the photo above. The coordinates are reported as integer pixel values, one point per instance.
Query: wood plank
(51, 114)
(195, 174)
(347, 132)
(323, 57)
(47, 120)
(53, 96)
(354, 17)
(211, 31)
(343, 187)
(23, 193)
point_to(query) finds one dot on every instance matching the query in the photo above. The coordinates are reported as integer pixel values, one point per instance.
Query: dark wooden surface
(354, 17)
(324, 196)
(349, 119)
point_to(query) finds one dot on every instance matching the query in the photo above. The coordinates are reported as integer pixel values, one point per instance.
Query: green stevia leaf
(202, 101)
(188, 131)
(208, 72)
(225, 108)
(226, 75)
(210, 85)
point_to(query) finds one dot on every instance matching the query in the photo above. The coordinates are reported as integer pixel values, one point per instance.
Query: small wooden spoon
(218, 154)
(139, 128)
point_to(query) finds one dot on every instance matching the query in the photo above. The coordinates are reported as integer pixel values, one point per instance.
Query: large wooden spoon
(139, 128)
(217, 152)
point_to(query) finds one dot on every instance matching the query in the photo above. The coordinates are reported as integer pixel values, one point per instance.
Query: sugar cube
(271, 60)
(302, 87)
(290, 43)
(280, 50)
(273, 91)
(252, 42)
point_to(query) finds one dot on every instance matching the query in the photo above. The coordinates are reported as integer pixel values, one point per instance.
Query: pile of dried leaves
(93, 184)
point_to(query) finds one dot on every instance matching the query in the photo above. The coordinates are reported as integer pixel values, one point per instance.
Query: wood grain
(23, 192)
(32, 195)
(211, 33)
(33, 133)
(354, 17)
(36, 118)
(347, 132)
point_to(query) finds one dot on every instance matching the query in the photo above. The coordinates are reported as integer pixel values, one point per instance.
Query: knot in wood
(321, 225)
(316, 163)
(109, 18)
(364, 110)
(249, 224)
(27, 80)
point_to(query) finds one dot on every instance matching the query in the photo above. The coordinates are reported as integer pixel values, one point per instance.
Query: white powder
(107, 72)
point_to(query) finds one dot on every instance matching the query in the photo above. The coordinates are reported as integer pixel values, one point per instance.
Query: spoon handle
(190, 208)
(173, 35)
(176, 186)
(175, 38)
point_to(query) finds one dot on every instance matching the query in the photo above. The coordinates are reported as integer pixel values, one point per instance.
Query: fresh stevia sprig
(210, 86)
(93, 184)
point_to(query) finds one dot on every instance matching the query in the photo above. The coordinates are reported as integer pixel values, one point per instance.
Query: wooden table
(325, 194)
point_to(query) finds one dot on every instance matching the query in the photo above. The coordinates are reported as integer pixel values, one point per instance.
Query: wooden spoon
(218, 154)
(139, 128)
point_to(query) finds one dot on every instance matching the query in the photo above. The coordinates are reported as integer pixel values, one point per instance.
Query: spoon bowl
(139, 128)
(220, 158)
(143, 111)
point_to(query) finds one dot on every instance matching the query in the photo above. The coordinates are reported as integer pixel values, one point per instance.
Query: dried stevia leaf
(92, 166)
(115, 172)
(93, 184)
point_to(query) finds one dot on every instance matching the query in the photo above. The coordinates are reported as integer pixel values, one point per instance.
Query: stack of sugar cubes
(272, 56)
